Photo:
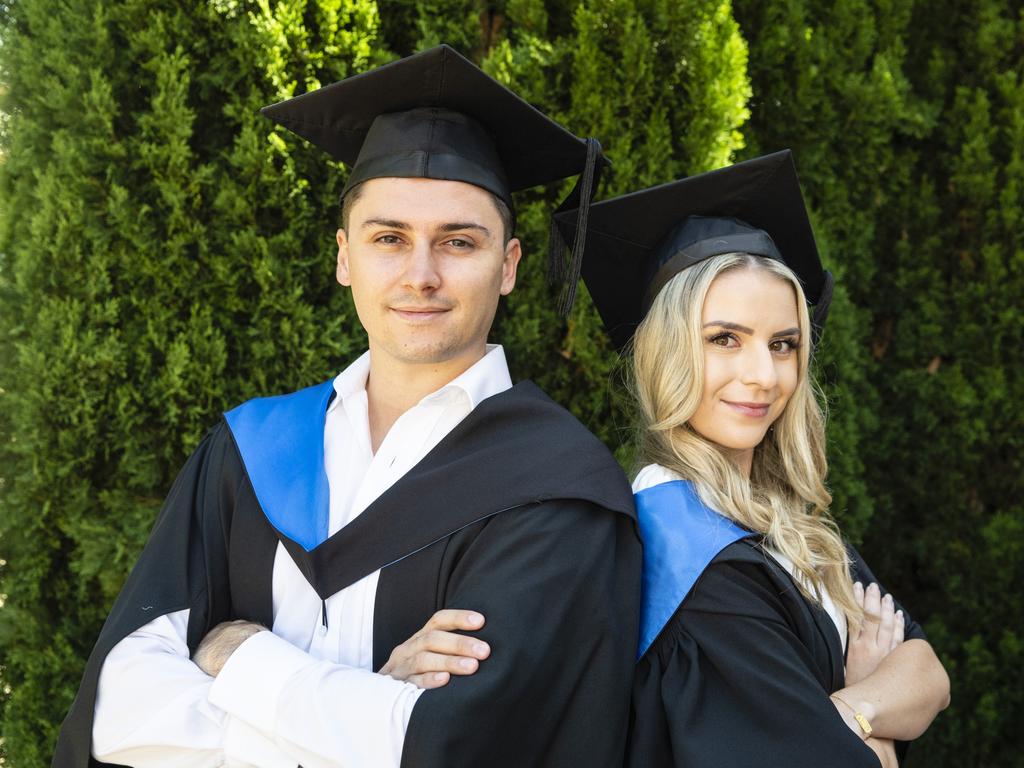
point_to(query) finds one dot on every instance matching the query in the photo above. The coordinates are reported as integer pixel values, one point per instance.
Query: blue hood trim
(281, 442)
(681, 537)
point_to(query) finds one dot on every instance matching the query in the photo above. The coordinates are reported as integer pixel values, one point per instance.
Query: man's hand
(220, 642)
(876, 637)
(429, 658)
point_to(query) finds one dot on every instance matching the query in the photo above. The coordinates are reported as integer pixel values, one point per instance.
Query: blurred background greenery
(166, 253)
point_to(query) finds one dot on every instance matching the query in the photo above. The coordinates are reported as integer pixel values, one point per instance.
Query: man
(365, 519)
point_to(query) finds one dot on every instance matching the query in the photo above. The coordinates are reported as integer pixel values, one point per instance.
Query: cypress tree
(907, 123)
(950, 319)
(662, 85)
(828, 82)
(166, 254)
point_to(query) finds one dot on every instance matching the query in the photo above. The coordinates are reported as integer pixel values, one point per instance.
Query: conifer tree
(166, 254)
(662, 85)
(907, 123)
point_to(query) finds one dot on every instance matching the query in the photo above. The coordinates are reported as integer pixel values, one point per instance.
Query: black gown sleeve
(558, 584)
(733, 680)
(183, 565)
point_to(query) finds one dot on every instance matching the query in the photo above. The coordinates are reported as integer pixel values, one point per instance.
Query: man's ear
(342, 272)
(513, 253)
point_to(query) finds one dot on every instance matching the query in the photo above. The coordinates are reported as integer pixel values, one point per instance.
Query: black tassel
(556, 254)
(560, 269)
(323, 612)
(821, 308)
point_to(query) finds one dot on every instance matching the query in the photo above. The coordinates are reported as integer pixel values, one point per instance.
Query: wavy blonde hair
(785, 498)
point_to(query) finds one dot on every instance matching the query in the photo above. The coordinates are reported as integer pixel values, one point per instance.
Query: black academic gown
(518, 513)
(739, 675)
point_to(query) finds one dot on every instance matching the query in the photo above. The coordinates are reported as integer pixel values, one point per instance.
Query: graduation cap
(637, 242)
(436, 115)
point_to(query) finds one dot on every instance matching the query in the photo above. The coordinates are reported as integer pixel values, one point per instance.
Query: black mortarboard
(437, 115)
(637, 242)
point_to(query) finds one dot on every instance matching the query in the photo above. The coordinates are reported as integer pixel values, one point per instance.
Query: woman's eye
(724, 340)
(784, 346)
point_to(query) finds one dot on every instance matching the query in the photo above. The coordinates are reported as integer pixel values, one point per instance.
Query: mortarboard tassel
(821, 309)
(560, 269)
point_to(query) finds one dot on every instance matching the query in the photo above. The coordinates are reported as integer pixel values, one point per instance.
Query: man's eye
(458, 242)
(388, 240)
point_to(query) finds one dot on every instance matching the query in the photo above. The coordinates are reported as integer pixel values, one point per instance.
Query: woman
(748, 587)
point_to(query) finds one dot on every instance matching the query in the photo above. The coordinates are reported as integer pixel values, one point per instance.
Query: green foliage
(165, 252)
(908, 121)
(661, 84)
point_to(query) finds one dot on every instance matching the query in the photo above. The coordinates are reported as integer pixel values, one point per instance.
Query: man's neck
(394, 387)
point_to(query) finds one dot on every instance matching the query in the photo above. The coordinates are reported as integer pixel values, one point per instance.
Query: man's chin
(430, 354)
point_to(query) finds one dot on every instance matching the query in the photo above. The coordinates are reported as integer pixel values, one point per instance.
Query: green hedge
(908, 121)
(165, 253)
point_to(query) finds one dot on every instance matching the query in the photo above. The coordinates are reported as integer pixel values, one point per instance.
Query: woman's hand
(876, 637)
(429, 658)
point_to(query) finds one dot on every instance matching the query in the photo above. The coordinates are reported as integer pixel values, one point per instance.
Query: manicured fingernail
(899, 615)
(858, 587)
(475, 619)
(480, 649)
(441, 677)
(888, 599)
(467, 663)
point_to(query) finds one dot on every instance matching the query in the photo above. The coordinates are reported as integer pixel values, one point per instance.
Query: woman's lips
(754, 410)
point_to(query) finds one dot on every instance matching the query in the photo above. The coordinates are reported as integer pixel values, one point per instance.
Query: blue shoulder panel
(681, 537)
(281, 441)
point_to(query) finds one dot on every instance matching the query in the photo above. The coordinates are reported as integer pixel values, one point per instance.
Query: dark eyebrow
(787, 332)
(460, 225)
(730, 326)
(389, 223)
(456, 226)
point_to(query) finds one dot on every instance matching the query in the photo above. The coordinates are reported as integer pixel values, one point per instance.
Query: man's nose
(421, 269)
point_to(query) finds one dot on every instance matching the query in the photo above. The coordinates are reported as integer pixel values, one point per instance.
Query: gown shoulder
(740, 676)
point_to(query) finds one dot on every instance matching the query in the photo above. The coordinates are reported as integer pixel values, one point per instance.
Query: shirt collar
(352, 381)
(486, 377)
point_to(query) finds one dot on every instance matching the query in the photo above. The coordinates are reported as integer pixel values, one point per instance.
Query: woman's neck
(743, 458)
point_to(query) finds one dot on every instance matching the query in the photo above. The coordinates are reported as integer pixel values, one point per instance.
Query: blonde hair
(785, 498)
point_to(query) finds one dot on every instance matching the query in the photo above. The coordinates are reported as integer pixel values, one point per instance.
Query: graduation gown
(519, 513)
(736, 665)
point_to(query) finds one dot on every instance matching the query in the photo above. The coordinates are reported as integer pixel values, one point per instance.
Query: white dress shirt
(306, 693)
(655, 474)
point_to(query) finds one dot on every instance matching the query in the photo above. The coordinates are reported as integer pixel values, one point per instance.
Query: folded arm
(559, 586)
(902, 697)
(899, 687)
(153, 708)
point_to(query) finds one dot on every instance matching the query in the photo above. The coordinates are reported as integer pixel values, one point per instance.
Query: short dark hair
(504, 211)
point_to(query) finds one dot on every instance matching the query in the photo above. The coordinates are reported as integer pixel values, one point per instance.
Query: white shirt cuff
(245, 746)
(320, 713)
(251, 682)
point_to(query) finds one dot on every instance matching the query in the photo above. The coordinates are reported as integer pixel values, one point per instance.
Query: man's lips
(755, 410)
(419, 313)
